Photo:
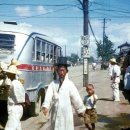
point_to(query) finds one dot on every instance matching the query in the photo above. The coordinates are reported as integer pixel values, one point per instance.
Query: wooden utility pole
(85, 41)
(86, 18)
(65, 50)
(104, 22)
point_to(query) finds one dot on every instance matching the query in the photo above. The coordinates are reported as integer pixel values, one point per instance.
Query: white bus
(37, 54)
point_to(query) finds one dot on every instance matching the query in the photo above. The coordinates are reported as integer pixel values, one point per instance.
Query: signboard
(85, 69)
(85, 40)
(85, 52)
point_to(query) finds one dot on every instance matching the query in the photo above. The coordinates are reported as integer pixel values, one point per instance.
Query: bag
(27, 102)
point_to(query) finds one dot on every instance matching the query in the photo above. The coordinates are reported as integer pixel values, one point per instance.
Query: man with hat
(16, 98)
(115, 79)
(59, 96)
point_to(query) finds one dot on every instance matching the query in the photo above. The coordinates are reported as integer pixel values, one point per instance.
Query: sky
(63, 20)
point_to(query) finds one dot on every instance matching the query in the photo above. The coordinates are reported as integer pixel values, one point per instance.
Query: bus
(37, 54)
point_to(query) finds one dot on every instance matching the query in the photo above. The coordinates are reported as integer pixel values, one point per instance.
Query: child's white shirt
(89, 101)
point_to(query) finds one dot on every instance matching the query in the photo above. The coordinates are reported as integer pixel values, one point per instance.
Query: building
(124, 48)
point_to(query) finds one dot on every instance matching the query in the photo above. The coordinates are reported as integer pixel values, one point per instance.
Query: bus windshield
(7, 42)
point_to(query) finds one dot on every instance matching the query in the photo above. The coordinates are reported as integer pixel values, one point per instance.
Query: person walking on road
(94, 65)
(110, 68)
(16, 98)
(115, 79)
(90, 116)
(60, 94)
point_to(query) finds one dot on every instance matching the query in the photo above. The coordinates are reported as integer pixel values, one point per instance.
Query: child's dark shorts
(90, 116)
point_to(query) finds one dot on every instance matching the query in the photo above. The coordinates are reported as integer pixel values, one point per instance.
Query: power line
(71, 17)
(103, 5)
(127, 12)
(92, 32)
(35, 16)
(71, 5)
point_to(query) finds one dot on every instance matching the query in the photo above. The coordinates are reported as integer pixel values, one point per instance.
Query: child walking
(90, 116)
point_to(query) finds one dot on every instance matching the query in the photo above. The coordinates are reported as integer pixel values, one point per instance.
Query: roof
(125, 44)
(13, 27)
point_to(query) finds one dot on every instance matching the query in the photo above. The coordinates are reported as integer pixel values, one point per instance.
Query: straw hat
(3, 66)
(13, 69)
(113, 60)
(14, 62)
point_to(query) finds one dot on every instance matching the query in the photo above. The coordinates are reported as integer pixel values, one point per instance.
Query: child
(90, 116)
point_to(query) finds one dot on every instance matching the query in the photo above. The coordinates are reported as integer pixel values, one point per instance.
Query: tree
(73, 58)
(106, 50)
(91, 59)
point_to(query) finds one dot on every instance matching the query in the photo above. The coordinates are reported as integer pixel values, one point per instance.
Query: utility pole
(104, 22)
(65, 50)
(85, 41)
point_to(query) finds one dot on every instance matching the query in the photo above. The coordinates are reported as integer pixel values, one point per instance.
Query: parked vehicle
(37, 54)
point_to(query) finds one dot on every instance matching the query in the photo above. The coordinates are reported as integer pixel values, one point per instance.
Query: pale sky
(63, 20)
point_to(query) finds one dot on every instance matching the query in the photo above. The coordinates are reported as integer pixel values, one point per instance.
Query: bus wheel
(38, 105)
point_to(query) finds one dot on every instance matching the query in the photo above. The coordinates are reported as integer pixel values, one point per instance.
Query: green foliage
(105, 51)
(91, 59)
(73, 58)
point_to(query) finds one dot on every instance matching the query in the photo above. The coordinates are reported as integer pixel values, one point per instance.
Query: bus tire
(38, 105)
(35, 107)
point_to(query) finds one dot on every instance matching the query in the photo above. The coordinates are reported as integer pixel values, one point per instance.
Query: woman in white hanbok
(60, 96)
(127, 79)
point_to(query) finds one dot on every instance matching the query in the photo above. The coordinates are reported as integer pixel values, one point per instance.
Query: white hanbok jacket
(61, 104)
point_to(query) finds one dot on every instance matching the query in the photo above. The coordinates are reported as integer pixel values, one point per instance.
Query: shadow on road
(119, 122)
(106, 99)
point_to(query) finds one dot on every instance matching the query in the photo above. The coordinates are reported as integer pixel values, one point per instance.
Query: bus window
(58, 52)
(51, 54)
(7, 42)
(43, 51)
(47, 52)
(55, 50)
(33, 52)
(38, 50)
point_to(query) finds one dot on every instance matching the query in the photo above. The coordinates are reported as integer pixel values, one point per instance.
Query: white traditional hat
(113, 60)
(3, 66)
(13, 69)
(14, 62)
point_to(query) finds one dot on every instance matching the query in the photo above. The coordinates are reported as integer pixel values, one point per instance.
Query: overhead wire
(92, 32)
(38, 4)
(69, 6)
(35, 16)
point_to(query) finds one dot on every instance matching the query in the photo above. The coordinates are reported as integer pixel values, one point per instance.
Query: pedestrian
(90, 116)
(127, 79)
(60, 96)
(16, 99)
(94, 65)
(115, 79)
(110, 68)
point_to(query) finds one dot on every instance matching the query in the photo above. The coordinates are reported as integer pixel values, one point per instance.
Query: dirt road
(111, 115)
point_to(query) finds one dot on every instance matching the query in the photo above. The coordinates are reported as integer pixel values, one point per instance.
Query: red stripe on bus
(25, 67)
(35, 67)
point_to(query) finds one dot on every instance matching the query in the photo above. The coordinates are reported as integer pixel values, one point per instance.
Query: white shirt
(94, 64)
(116, 69)
(16, 93)
(110, 69)
(89, 101)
